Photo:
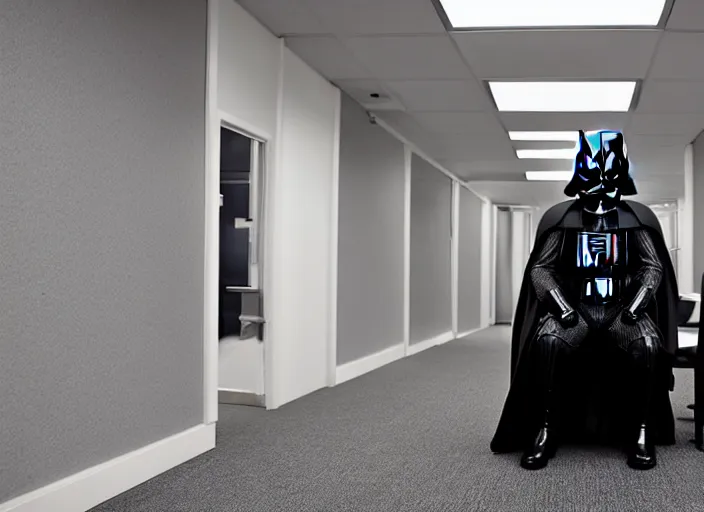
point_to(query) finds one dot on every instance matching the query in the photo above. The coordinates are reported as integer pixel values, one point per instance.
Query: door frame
(219, 119)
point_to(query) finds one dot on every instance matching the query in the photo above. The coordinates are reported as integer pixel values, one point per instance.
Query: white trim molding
(212, 223)
(354, 369)
(89, 488)
(470, 332)
(441, 339)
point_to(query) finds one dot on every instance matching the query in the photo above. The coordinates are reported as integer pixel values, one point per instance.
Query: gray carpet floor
(413, 436)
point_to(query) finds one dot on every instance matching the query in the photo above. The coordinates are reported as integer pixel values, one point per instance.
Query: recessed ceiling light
(553, 13)
(563, 96)
(545, 136)
(549, 175)
(546, 154)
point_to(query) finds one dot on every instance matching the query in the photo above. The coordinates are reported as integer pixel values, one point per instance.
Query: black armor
(594, 276)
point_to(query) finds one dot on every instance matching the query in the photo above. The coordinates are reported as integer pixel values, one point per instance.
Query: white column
(487, 264)
(408, 156)
(519, 245)
(454, 256)
(685, 223)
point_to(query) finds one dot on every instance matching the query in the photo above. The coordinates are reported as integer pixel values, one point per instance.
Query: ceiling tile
(687, 15)
(441, 95)
(461, 123)
(510, 189)
(365, 17)
(515, 166)
(657, 154)
(521, 192)
(409, 58)
(671, 97)
(656, 141)
(470, 148)
(327, 55)
(284, 16)
(679, 57)
(361, 91)
(559, 53)
(558, 121)
(689, 125)
(406, 125)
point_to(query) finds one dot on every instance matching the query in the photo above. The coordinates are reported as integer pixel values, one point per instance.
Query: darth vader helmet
(601, 169)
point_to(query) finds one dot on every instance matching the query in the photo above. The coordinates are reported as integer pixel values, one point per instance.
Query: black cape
(513, 432)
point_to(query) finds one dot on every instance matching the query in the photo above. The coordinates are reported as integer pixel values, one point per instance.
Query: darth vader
(595, 325)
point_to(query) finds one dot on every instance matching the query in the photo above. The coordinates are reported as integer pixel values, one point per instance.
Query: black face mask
(601, 171)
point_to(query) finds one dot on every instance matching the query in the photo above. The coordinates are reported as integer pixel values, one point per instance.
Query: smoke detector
(377, 100)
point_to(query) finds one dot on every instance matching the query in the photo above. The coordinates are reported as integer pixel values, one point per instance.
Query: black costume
(595, 322)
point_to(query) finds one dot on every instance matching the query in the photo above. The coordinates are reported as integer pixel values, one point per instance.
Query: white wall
(520, 243)
(470, 277)
(431, 274)
(687, 280)
(246, 96)
(697, 191)
(265, 90)
(487, 265)
(302, 228)
(370, 286)
(249, 63)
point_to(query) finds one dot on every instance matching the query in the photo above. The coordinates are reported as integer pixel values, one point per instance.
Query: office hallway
(412, 436)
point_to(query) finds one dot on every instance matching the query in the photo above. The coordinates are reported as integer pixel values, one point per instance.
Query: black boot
(543, 448)
(641, 452)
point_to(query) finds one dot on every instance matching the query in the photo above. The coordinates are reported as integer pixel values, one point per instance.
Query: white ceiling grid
(433, 93)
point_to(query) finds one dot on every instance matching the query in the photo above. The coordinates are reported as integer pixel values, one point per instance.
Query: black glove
(566, 314)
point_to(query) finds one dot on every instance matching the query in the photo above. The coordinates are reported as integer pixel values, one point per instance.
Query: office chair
(693, 357)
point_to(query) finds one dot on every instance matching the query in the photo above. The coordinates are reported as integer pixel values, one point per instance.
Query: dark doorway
(235, 182)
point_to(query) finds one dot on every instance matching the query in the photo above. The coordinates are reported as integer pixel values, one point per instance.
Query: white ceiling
(433, 84)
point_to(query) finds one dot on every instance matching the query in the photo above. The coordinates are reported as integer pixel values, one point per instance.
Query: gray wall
(469, 262)
(101, 201)
(431, 225)
(370, 257)
(698, 214)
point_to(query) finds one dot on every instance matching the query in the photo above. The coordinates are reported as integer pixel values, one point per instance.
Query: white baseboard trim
(366, 364)
(89, 488)
(471, 331)
(415, 348)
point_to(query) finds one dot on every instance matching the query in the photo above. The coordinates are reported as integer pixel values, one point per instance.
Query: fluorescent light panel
(544, 136)
(546, 154)
(553, 13)
(563, 96)
(549, 175)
